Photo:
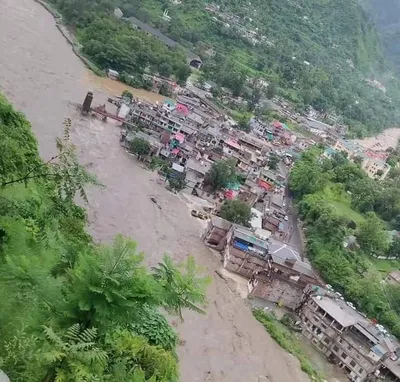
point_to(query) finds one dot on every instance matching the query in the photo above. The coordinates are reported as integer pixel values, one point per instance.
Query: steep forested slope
(386, 14)
(323, 53)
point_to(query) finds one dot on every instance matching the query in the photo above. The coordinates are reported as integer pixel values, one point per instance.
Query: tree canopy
(222, 173)
(329, 194)
(237, 212)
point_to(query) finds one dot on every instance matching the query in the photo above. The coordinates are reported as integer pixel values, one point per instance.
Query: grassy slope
(341, 202)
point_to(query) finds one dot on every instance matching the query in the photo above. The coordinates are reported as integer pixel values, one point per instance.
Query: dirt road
(41, 76)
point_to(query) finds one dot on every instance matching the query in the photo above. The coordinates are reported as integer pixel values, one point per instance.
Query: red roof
(175, 151)
(264, 184)
(229, 194)
(179, 137)
(232, 143)
(277, 124)
(182, 109)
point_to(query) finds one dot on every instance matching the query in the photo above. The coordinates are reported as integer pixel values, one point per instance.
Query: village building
(216, 233)
(344, 335)
(275, 271)
(373, 163)
(196, 171)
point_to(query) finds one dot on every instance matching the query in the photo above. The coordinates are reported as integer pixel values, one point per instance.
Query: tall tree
(237, 212)
(222, 173)
(372, 236)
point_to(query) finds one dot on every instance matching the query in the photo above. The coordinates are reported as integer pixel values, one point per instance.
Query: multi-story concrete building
(373, 163)
(344, 335)
(275, 270)
(161, 120)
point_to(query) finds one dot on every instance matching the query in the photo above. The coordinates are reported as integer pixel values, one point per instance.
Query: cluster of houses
(191, 133)
(371, 161)
(275, 272)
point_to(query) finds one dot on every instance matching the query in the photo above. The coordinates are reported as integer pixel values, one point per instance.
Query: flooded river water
(42, 77)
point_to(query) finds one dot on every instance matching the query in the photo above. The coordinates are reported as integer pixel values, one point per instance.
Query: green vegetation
(140, 147)
(341, 202)
(221, 174)
(114, 44)
(314, 180)
(288, 341)
(71, 309)
(317, 53)
(237, 212)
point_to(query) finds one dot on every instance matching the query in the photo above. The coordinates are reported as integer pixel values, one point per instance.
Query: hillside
(318, 53)
(326, 54)
(386, 15)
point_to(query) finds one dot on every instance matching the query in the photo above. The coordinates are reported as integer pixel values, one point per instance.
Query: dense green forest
(337, 202)
(317, 53)
(73, 310)
(386, 15)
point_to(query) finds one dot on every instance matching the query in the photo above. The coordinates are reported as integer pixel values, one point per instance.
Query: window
(344, 355)
(361, 370)
(335, 349)
(305, 319)
(327, 340)
(352, 364)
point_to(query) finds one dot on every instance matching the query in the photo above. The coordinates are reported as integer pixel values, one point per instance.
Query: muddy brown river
(42, 77)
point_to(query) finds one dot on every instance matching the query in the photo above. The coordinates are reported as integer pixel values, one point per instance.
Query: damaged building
(275, 271)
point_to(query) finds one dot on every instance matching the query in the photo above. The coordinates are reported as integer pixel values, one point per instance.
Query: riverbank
(95, 77)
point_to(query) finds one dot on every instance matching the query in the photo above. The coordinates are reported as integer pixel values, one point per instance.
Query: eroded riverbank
(42, 77)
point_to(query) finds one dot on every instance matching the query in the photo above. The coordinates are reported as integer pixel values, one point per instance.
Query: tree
(63, 170)
(273, 161)
(181, 289)
(164, 69)
(394, 248)
(306, 178)
(140, 147)
(254, 98)
(182, 73)
(372, 236)
(271, 91)
(243, 123)
(396, 222)
(222, 173)
(237, 212)
(177, 183)
(127, 94)
(72, 355)
(165, 90)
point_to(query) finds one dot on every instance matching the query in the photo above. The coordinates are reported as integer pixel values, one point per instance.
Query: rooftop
(202, 167)
(281, 253)
(154, 32)
(338, 310)
(218, 222)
